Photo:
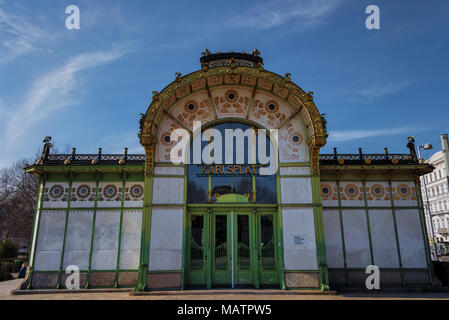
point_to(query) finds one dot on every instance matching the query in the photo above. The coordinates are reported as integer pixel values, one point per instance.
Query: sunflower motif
(231, 96)
(403, 190)
(165, 139)
(83, 191)
(377, 190)
(136, 191)
(351, 190)
(110, 191)
(326, 191)
(56, 191)
(296, 138)
(190, 106)
(271, 107)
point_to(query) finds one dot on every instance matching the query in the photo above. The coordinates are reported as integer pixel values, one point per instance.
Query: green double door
(231, 249)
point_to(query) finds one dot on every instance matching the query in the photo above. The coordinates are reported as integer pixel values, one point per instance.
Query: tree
(17, 201)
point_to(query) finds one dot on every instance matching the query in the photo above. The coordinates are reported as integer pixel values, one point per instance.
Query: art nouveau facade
(141, 221)
(437, 195)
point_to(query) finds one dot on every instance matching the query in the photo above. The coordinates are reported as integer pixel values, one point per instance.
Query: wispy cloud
(376, 91)
(52, 91)
(20, 36)
(347, 135)
(274, 13)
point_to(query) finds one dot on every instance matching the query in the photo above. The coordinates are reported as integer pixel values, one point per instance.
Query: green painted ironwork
(58, 285)
(396, 231)
(116, 284)
(371, 253)
(94, 217)
(319, 234)
(37, 219)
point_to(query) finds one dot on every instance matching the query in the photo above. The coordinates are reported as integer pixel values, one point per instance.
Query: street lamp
(428, 146)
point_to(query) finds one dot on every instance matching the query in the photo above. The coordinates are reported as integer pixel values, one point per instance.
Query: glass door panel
(221, 251)
(268, 274)
(196, 266)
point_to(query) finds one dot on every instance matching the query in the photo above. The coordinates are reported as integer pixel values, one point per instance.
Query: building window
(233, 183)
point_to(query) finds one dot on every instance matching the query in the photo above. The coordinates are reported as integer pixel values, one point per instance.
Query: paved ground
(7, 286)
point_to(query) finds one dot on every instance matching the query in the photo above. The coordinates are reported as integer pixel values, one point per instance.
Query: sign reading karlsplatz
(220, 156)
(230, 169)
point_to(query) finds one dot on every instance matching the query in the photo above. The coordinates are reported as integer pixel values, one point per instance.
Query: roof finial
(206, 52)
(255, 52)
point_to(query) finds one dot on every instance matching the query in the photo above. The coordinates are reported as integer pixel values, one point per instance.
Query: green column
(94, 216)
(117, 269)
(145, 237)
(36, 225)
(58, 285)
(390, 187)
(146, 218)
(319, 233)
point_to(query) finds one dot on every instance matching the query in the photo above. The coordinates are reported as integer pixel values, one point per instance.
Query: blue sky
(86, 87)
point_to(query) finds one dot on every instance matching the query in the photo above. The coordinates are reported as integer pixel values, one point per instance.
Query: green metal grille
(221, 257)
(268, 260)
(196, 255)
(243, 256)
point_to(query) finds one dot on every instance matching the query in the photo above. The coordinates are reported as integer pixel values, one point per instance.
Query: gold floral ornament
(368, 160)
(326, 191)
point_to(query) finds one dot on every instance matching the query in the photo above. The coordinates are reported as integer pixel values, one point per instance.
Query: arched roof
(233, 69)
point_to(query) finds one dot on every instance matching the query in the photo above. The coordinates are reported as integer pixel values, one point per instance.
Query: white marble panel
(80, 200)
(294, 170)
(351, 193)
(404, 193)
(105, 247)
(168, 170)
(166, 239)
(113, 200)
(77, 245)
(52, 201)
(378, 194)
(299, 239)
(356, 239)
(410, 239)
(168, 190)
(130, 244)
(332, 238)
(296, 190)
(49, 242)
(329, 193)
(383, 238)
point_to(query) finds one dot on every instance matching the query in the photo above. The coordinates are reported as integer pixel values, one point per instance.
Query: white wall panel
(50, 238)
(105, 247)
(299, 239)
(410, 239)
(168, 170)
(130, 244)
(77, 245)
(356, 239)
(332, 237)
(168, 190)
(166, 239)
(296, 190)
(383, 238)
(294, 170)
